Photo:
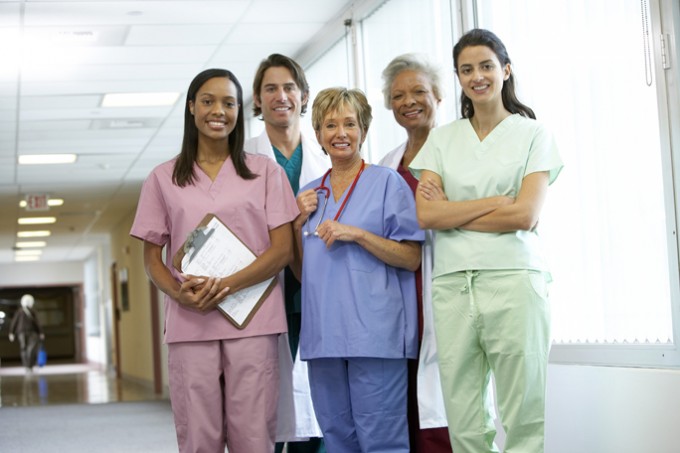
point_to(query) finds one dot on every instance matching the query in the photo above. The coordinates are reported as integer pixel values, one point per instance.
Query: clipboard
(212, 249)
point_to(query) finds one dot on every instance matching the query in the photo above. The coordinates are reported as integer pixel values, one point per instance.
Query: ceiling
(59, 58)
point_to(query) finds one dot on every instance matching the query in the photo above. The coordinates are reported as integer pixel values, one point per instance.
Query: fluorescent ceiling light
(26, 258)
(34, 234)
(51, 202)
(139, 99)
(29, 252)
(36, 220)
(36, 159)
(75, 36)
(30, 244)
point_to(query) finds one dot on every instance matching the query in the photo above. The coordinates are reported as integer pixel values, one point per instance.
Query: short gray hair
(414, 62)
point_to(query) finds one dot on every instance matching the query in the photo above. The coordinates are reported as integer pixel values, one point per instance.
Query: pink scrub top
(167, 213)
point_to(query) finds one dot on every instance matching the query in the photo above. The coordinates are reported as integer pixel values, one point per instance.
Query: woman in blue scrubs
(359, 242)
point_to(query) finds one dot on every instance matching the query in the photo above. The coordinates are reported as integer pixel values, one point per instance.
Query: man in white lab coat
(280, 96)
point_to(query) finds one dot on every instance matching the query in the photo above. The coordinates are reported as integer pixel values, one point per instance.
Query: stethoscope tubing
(327, 193)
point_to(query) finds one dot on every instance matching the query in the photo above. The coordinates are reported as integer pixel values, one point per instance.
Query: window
(422, 27)
(333, 69)
(607, 223)
(591, 71)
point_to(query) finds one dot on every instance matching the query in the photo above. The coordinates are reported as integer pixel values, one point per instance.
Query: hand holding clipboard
(213, 250)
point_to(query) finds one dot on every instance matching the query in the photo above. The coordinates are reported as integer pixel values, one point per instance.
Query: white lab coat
(314, 161)
(296, 419)
(431, 409)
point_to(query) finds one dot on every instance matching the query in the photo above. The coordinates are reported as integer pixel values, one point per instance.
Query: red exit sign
(37, 202)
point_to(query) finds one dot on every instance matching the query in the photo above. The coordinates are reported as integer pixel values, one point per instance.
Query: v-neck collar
(213, 188)
(495, 134)
(342, 195)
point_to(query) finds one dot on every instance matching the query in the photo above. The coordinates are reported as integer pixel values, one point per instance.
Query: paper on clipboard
(214, 250)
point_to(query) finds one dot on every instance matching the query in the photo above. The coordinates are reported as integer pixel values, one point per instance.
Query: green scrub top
(471, 169)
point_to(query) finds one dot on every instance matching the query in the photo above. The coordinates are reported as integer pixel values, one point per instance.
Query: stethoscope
(323, 189)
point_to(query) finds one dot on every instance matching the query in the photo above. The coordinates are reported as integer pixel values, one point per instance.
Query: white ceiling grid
(59, 59)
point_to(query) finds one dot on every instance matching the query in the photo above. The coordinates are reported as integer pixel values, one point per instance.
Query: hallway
(68, 384)
(80, 408)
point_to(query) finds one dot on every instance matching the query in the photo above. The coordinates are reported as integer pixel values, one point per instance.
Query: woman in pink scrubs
(224, 381)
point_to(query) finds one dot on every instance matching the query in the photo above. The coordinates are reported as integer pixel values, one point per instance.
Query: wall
(609, 409)
(41, 274)
(135, 324)
(612, 409)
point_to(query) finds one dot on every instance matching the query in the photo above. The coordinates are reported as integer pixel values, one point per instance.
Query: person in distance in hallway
(26, 327)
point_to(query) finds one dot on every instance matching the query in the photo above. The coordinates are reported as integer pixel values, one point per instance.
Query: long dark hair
(183, 172)
(481, 37)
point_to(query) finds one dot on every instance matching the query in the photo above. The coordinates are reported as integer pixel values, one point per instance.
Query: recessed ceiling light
(28, 252)
(34, 234)
(75, 36)
(36, 159)
(26, 258)
(36, 220)
(50, 202)
(139, 99)
(30, 244)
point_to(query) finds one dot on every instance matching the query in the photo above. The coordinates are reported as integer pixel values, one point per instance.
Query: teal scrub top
(292, 166)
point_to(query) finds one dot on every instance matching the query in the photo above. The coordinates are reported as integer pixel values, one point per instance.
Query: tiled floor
(68, 383)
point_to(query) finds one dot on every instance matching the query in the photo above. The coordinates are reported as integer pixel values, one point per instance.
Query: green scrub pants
(496, 322)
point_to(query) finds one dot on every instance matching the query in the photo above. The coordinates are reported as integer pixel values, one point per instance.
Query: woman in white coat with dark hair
(412, 90)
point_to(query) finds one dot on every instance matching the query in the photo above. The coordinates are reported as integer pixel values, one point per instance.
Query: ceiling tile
(177, 35)
(77, 51)
(132, 12)
(288, 11)
(60, 102)
(295, 33)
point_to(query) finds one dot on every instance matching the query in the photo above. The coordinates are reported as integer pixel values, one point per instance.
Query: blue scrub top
(353, 304)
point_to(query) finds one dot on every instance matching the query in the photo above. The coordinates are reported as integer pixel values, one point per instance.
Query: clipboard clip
(196, 240)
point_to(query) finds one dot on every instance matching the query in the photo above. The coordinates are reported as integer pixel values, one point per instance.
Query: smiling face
(215, 110)
(481, 75)
(340, 134)
(412, 100)
(280, 98)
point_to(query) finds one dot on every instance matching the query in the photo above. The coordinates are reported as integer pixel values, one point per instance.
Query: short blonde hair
(332, 99)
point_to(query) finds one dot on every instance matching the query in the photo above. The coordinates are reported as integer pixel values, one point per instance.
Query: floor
(68, 384)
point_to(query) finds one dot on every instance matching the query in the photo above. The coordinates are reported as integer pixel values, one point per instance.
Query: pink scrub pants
(225, 391)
